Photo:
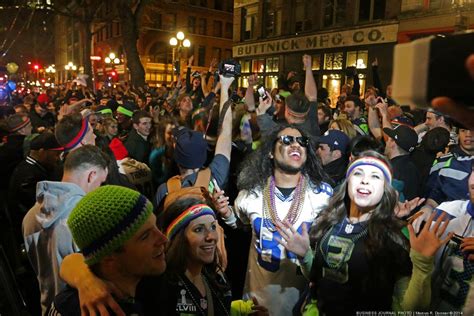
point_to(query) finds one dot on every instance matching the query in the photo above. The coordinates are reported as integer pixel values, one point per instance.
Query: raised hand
(221, 203)
(375, 63)
(264, 105)
(292, 240)
(190, 61)
(253, 80)
(405, 208)
(307, 61)
(429, 240)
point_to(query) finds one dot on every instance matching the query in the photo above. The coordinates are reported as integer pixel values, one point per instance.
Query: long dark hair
(178, 250)
(258, 166)
(382, 224)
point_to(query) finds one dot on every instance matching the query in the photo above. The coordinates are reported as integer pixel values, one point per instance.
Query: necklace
(203, 303)
(347, 245)
(270, 215)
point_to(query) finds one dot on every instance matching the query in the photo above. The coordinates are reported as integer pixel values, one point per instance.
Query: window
(169, 22)
(219, 5)
(272, 18)
(258, 65)
(118, 29)
(160, 52)
(203, 3)
(245, 65)
(202, 26)
(333, 61)
(217, 28)
(303, 12)
(334, 12)
(202, 56)
(228, 30)
(228, 54)
(316, 62)
(249, 18)
(191, 24)
(272, 64)
(371, 10)
(158, 21)
(217, 53)
(357, 59)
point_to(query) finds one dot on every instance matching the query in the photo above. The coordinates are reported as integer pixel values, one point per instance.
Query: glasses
(287, 140)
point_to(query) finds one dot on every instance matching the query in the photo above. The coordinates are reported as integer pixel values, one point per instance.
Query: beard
(286, 168)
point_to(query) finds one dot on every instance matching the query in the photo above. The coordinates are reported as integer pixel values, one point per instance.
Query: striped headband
(124, 111)
(21, 125)
(371, 161)
(79, 137)
(186, 217)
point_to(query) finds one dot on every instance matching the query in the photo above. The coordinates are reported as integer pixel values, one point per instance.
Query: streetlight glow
(107, 60)
(180, 35)
(112, 56)
(187, 43)
(173, 41)
(116, 61)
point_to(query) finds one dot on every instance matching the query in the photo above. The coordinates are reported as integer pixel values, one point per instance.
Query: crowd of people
(204, 198)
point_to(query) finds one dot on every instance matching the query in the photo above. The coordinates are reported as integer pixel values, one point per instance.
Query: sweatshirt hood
(56, 200)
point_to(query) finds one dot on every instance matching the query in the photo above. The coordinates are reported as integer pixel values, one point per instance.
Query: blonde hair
(345, 126)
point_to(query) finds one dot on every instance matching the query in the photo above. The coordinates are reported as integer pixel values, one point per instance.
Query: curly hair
(258, 166)
(382, 221)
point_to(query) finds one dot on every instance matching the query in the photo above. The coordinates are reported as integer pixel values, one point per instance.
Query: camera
(230, 68)
(433, 67)
(196, 74)
(261, 91)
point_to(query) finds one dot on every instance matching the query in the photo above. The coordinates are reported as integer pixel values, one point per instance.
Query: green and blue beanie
(105, 219)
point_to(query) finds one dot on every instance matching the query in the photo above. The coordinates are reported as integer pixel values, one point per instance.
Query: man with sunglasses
(281, 188)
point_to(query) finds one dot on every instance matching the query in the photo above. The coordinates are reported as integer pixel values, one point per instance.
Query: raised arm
(249, 98)
(310, 89)
(224, 140)
(189, 86)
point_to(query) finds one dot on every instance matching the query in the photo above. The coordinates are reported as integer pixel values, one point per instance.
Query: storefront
(332, 53)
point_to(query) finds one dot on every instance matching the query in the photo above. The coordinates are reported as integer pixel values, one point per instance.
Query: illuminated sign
(364, 36)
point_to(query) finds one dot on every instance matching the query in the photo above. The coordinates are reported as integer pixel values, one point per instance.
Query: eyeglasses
(287, 140)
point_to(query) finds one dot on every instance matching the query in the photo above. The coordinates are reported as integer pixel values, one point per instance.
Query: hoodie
(46, 235)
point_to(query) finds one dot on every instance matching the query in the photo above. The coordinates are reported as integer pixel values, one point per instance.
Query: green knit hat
(105, 219)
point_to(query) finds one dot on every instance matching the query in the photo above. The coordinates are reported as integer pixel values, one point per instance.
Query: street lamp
(51, 70)
(177, 43)
(70, 66)
(111, 59)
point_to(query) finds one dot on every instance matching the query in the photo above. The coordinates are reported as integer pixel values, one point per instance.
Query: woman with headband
(193, 278)
(193, 283)
(361, 259)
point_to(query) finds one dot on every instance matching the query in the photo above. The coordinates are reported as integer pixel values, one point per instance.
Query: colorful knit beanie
(105, 219)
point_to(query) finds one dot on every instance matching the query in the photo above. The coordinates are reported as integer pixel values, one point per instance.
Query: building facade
(271, 36)
(206, 23)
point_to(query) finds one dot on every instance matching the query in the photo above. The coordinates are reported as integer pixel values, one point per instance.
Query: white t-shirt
(273, 274)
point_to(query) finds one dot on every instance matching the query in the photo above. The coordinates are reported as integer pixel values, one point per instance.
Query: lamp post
(178, 43)
(112, 60)
(51, 70)
(70, 67)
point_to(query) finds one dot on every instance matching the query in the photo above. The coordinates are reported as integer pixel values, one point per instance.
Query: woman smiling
(362, 261)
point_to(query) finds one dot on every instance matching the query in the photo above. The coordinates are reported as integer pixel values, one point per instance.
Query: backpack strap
(203, 178)
(173, 184)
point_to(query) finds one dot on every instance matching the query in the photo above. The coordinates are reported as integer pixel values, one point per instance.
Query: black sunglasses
(287, 140)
